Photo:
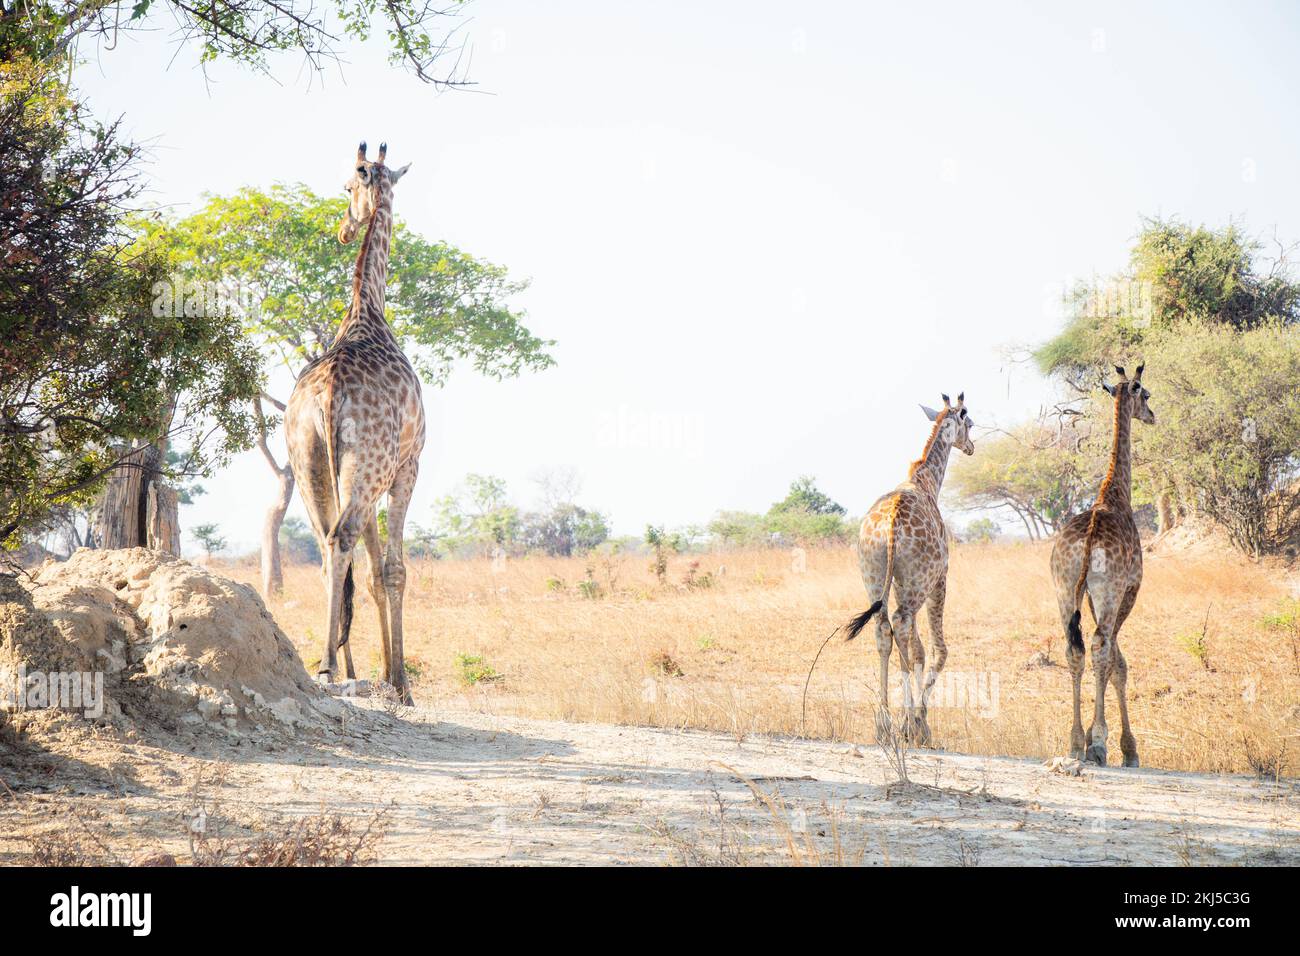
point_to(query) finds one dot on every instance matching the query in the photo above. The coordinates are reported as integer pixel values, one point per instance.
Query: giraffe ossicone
(355, 428)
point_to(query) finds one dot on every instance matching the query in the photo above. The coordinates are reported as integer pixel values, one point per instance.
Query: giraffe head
(1131, 396)
(953, 423)
(365, 187)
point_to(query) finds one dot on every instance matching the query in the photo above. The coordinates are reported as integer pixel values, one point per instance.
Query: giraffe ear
(395, 174)
(930, 413)
(1107, 389)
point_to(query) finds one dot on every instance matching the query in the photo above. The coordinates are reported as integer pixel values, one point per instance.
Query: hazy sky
(760, 232)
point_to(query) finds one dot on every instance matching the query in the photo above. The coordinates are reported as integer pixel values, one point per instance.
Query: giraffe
(355, 428)
(902, 543)
(1098, 551)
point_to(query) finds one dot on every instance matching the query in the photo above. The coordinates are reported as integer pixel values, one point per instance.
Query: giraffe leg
(1103, 659)
(940, 656)
(904, 627)
(375, 558)
(399, 499)
(337, 563)
(1074, 655)
(885, 645)
(1119, 680)
(916, 719)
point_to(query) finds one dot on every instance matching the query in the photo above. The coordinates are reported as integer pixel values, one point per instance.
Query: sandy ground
(474, 788)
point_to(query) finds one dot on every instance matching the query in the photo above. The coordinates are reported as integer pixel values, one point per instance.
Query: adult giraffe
(902, 544)
(355, 428)
(1098, 551)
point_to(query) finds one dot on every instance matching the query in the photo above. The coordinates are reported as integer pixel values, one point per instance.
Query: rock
(353, 687)
(154, 858)
(1066, 766)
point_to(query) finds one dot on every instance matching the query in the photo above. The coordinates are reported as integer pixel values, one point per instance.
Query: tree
(806, 514)
(89, 375)
(805, 496)
(1042, 474)
(1227, 433)
(564, 530)
(244, 31)
(476, 518)
(1176, 274)
(1218, 320)
(273, 256)
(209, 538)
(298, 542)
(982, 530)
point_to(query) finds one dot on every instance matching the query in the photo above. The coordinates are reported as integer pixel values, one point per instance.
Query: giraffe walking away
(1098, 552)
(355, 428)
(902, 546)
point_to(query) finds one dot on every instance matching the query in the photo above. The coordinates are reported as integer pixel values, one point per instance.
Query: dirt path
(475, 788)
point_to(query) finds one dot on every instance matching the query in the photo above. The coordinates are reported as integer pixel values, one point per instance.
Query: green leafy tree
(1227, 433)
(805, 496)
(476, 519)
(1176, 274)
(1040, 473)
(982, 530)
(273, 254)
(248, 32)
(1217, 318)
(209, 538)
(89, 374)
(564, 530)
(806, 514)
(298, 542)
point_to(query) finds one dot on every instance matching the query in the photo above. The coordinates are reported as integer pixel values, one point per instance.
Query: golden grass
(742, 647)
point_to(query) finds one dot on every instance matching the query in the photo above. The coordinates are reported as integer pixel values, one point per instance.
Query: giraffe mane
(1101, 497)
(929, 443)
(1114, 450)
(358, 275)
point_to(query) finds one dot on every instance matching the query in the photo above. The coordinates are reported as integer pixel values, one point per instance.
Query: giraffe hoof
(1131, 760)
(1097, 754)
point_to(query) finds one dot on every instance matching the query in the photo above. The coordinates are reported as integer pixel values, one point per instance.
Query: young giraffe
(1099, 552)
(902, 543)
(355, 428)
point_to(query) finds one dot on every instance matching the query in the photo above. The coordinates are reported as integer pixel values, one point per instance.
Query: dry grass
(1214, 659)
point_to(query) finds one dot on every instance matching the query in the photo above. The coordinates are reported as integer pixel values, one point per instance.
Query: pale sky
(761, 233)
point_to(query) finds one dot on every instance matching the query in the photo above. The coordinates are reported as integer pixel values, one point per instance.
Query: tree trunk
(137, 510)
(1165, 517)
(272, 569)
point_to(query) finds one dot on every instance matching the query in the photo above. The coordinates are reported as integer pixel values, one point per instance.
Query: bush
(474, 669)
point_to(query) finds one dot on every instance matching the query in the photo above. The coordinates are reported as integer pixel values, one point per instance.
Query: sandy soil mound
(180, 650)
(1192, 536)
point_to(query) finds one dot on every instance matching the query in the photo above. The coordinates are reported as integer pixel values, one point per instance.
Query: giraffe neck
(928, 470)
(366, 314)
(1116, 487)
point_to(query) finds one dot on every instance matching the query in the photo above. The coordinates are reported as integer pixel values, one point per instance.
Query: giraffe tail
(345, 618)
(856, 625)
(1074, 630)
